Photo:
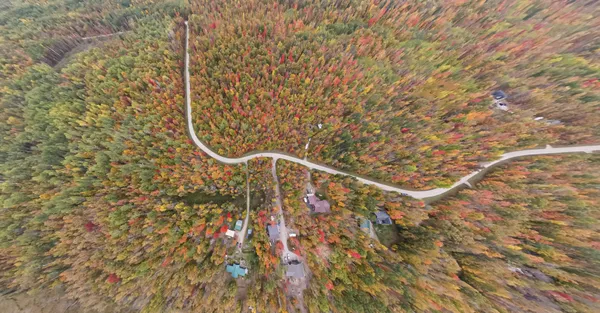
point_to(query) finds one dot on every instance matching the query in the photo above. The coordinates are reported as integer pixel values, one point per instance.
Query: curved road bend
(415, 194)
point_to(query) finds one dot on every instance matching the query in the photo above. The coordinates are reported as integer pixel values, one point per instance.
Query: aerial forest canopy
(401, 88)
(106, 201)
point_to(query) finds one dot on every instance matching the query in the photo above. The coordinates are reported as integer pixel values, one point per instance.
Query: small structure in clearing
(238, 225)
(500, 100)
(383, 218)
(230, 233)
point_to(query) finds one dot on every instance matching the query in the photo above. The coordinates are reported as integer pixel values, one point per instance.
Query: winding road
(422, 194)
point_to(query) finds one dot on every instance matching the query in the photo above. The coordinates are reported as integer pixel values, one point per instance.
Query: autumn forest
(108, 204)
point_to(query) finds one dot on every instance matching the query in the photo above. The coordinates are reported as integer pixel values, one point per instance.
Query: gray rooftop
(322, 206)
(273, 231)
(295, 270)
(383, 218)
(498, 95)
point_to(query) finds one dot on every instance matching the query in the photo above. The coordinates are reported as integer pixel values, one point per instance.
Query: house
(383, 218)
(236, 270)
(273, 231)
(322, 206)
(230, 233)
(316, 205)
(500, 100)
(238, 225)
(295, 270)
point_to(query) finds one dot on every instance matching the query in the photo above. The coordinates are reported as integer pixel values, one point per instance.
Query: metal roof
(236, 270)
(238, 225)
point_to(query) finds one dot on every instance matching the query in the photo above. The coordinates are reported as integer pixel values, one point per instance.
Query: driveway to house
(283, 231)
(418, 194)
(242, 235)
(372, 232)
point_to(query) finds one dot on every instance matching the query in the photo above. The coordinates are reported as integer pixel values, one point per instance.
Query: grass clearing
(388, 234)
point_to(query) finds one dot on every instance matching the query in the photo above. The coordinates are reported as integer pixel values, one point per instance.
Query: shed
(238, 225)
(230, 233)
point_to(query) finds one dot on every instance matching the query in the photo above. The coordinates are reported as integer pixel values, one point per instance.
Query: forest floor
(387, 234)
(43, 302)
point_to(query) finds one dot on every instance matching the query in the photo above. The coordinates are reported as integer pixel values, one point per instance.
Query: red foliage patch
(321, 236)
(90, 227)
(372, 21)
(113, 278)
(354, 254)
(329, 285)
(166, 262)
(561, 296)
